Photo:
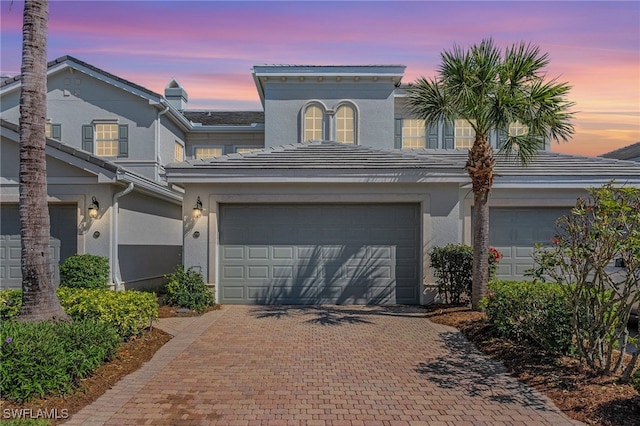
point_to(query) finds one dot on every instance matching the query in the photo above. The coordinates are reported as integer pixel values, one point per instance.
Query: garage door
(310, 254)
(515, 231)
(63, 240)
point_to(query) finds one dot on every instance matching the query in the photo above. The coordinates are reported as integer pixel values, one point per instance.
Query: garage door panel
(283, 253)
(321, 253)
(515, 231)
(233, 252)
(258, 253)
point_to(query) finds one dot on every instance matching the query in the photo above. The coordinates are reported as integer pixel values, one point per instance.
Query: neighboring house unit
(629, 152)
(333, 194)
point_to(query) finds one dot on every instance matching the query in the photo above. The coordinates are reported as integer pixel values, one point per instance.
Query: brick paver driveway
(329, 365)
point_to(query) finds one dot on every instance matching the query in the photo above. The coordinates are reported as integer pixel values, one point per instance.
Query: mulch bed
(592, 399)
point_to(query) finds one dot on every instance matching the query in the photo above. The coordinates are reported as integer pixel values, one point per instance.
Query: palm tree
(39, 299)
(491, 91)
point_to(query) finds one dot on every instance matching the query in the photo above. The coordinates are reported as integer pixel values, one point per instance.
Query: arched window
(345, 124)
(313, 123)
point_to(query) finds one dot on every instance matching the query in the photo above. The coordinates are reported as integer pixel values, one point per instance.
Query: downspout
(115, 264)
(157, 142)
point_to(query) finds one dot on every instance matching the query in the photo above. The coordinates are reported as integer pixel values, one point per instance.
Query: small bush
(47, 358)
(10, 303)
(537, 311)
(453, 270)
(452, 266)
(129, 312)
(187, 289)
(84, 271)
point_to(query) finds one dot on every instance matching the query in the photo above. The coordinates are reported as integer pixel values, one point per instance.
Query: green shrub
(453, 270)
(187, 289)
(10, 303)
(452, 265)
(537, 311)
(84, 271)
(47, 358)
(130, 312)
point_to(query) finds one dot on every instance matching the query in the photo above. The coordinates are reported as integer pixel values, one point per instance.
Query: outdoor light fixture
(197, 209)
(93, 208)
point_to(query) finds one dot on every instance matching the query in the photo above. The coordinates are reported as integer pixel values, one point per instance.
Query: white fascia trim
(155, 189)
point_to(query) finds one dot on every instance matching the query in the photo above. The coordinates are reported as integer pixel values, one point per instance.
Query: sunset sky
(210, 46)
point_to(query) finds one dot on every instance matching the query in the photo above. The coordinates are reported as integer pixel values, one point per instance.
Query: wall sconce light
(197, 209)
(93, 208)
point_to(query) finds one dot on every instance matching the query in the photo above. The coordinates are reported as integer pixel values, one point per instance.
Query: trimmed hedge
(84, 271)
(10, 303)
(537, 311)
(129, 312)
(47, 358)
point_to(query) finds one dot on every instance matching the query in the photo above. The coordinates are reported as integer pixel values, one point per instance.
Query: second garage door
(317, 253)
(515, 232)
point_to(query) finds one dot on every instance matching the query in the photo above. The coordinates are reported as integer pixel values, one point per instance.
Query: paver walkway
(328, 365)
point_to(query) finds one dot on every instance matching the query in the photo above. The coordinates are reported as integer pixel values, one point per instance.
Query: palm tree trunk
(39, 299)
(480, 167)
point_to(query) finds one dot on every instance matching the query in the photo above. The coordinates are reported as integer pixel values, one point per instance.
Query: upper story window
(345, 124)
(413, 133)
(201, 152)
(106, 139)
(53, 131)
(518, 129)
(464, 134)
(178, 152)
(313, 123)
(339, 124)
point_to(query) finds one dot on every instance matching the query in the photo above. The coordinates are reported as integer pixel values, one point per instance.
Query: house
(351, 193)
(108, 140)
(629, 152)
(333, 193)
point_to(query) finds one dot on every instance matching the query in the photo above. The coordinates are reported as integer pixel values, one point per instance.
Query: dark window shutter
(398, 134)
(123, 140)
(449, 135)
(87, 138)
(56, 131)
(432, 136)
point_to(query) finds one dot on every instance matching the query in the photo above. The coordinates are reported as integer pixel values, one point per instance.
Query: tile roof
(320, 155)
(629, 152)
(546, 164)
(225, 118)
(332, 158)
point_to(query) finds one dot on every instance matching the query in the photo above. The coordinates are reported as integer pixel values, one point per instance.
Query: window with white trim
(201, 152)
(413, 133)
(464, 134)
(345, 124)
(107, 139)
(178, 152)
(313, 123)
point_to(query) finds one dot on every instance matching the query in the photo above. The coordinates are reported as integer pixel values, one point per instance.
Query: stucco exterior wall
(374, 102)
